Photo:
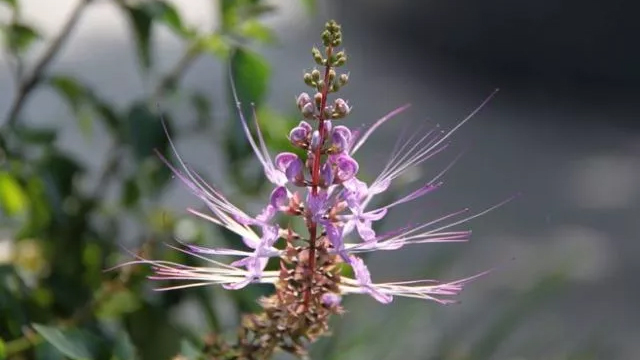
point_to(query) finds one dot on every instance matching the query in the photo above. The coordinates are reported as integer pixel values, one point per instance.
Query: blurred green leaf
(76, 344)
(58, 171)
(202, 106)
(13, 198)
(167, 14)
(85, 121)
(310, 5)
(273, 125)
(141, 21)
(85, 104)
(124, 348)
(255, 9)
(142, 16)
(234, 12)
(118, 304)
(35, 135)
(215, 45)
(12, 3)
(255, 30)
(70, 89)
(80, 99)
(250, 72)
(40, 211)
(19, 37)
(109, 116)
(145, 131)
(46, 351)
(3, 351)
(130, 193)
(228, 9)
(189, 351)
(151, 176)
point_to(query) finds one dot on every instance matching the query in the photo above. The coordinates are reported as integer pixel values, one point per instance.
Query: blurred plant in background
(61, 223)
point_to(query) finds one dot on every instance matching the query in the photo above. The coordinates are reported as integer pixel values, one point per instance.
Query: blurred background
(80, 81)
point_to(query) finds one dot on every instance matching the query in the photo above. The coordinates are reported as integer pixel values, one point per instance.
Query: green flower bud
(343, 79)
(317, 56)
(315, 74)
(341, 60)
(332, 75)
(308, 79)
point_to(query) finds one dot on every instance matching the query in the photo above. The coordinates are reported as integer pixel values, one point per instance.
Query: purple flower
(331, 202)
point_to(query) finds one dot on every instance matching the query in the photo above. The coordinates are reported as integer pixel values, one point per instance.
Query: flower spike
(319, 185)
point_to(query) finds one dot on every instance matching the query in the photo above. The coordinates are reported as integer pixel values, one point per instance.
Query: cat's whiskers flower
(322, 189)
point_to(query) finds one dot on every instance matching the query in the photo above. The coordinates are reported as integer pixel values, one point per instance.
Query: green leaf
(145, 131)
(255, 30)
(124, 349)
(80, 100)
(35, 135)
(310, 5)
(229, 12)
(13, 199)
(130, 193)
(152, 176)
(257, 8)
(46, 351)
(142, 16)
(109, 116)
(141, 21)
(72, 344)
(3, 351)
(120, 303)
(19, 37)
(40, 213)
(167, 14)
(85, 121)
(202, 106)
(70, 89)
(250, 72)
(85, 104)
(215, 45)
(12, 3)
(188, 350)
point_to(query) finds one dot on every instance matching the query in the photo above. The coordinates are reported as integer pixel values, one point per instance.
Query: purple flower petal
(334, 233)
(294, 171)
(347, 168)
(339, 141)
(279, 198)
(283, 160)
(326, 174)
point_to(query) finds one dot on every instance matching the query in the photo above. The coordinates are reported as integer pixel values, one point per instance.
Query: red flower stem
(315, 176)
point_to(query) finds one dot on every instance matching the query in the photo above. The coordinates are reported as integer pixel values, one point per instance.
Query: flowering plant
(322, 189)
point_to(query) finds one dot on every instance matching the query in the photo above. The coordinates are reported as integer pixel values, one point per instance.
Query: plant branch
(27, 84)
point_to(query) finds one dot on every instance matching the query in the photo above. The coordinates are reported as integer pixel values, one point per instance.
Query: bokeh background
(79, 180)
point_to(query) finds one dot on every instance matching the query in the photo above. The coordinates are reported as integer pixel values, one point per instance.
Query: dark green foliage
(63, 220)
